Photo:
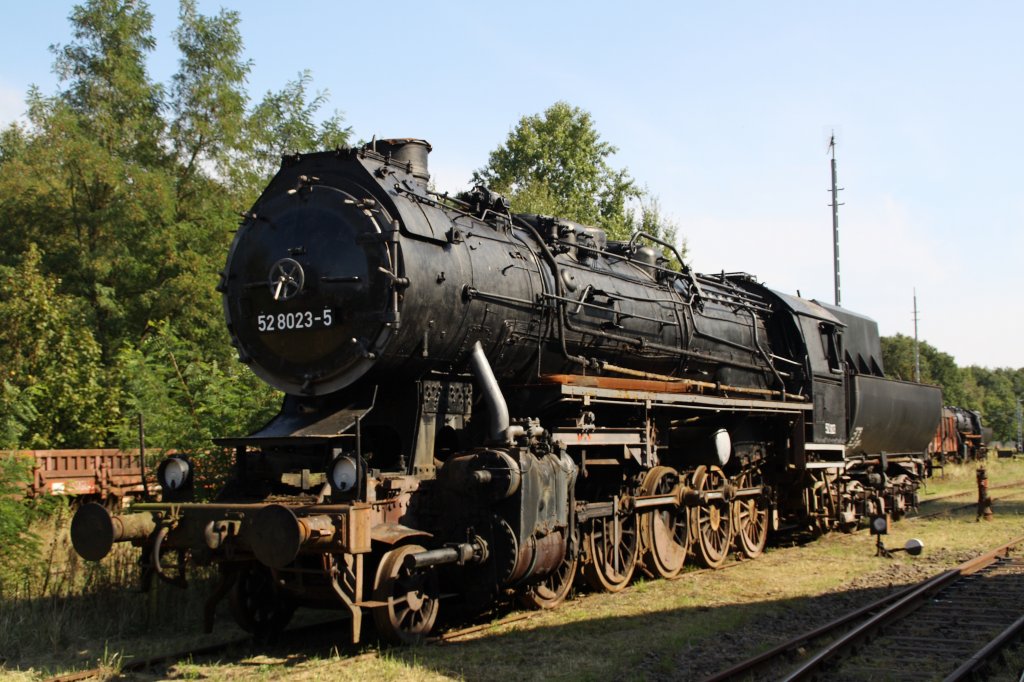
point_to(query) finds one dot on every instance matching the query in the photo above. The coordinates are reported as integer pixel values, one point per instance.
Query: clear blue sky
(723, 110)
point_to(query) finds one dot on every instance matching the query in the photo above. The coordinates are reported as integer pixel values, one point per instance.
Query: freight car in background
(107, 476)
(491, 405)
(960, 437)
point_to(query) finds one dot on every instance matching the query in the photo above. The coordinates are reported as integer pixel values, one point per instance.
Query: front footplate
(274, 534)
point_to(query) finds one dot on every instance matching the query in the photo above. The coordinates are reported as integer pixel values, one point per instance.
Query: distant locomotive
(491, 404)
(960, 437)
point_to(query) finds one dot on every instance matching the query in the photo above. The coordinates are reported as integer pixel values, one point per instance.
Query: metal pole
(142, 457)
(917, 355)
(1020, 427)
(835, 216)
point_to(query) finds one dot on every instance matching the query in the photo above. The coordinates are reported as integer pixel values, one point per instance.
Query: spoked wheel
(257, 605)
(613, 547)
(751, 518)
(664, 532)
(410, 596)
(555, 587)
(712, 519)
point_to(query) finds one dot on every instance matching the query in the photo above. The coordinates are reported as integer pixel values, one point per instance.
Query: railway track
(945, 628)
(962, 507)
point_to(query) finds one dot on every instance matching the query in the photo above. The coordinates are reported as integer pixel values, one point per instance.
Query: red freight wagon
(102, 473)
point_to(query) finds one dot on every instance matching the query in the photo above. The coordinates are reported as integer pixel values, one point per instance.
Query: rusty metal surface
(97, 471)
(694, 401)
(984, 500)
(657, 383)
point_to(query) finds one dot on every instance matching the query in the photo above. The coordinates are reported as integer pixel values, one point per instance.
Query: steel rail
(799, 640)
(899, 609)
(891, 604)
(975, 662)
(969, 505)
(1013, 484)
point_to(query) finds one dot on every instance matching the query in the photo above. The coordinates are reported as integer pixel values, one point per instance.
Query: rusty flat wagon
(104, 474)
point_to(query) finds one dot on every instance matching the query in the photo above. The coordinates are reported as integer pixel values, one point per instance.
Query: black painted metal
(410, 284)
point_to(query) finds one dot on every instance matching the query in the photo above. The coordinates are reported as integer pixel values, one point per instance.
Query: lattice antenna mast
(835, 213)
(917, 354)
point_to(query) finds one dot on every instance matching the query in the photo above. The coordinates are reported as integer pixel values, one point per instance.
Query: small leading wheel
(751, 518)
(664, 532)
(613, 547)
(410, 596)
(555, 587)
(712, 519)
(258, 606)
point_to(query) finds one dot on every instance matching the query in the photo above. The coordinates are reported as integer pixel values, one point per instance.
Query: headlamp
(174, 473)
(343, 474)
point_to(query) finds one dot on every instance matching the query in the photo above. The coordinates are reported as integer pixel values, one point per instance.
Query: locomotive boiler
(492, 404)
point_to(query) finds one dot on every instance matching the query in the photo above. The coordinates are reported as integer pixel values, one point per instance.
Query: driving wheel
(712, 518)
(751, 517)
(612, 547)
(665, 532)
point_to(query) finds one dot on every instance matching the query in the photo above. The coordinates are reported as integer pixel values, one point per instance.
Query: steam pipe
(492, 393)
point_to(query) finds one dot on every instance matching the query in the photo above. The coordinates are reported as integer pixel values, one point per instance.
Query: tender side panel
(892, 416)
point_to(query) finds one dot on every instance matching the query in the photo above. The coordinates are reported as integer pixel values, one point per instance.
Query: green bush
(18, 546)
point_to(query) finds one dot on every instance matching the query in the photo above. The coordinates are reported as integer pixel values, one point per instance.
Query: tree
(936, 367)
(992, 392)
(284, 122)
(208, 97)
(108, 86)
(651, 219)
(54, 390)
(556, 163)
(188, 400)
(18, 546)
(132, 188)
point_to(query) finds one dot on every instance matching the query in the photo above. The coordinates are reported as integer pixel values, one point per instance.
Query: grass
(59, 612)
(79, 616)
(961, 477)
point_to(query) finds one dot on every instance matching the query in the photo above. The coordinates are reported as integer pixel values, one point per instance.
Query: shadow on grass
(583, 642)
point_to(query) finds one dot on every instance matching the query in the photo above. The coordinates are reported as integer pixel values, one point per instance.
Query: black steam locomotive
(491, 404)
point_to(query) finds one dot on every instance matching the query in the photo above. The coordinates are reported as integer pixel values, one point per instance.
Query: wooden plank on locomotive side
(641, 391)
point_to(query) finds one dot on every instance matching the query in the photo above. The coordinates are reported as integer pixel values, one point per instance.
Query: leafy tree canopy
(556, 163)
(54, 391)
(993, 392)
(131, 189)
